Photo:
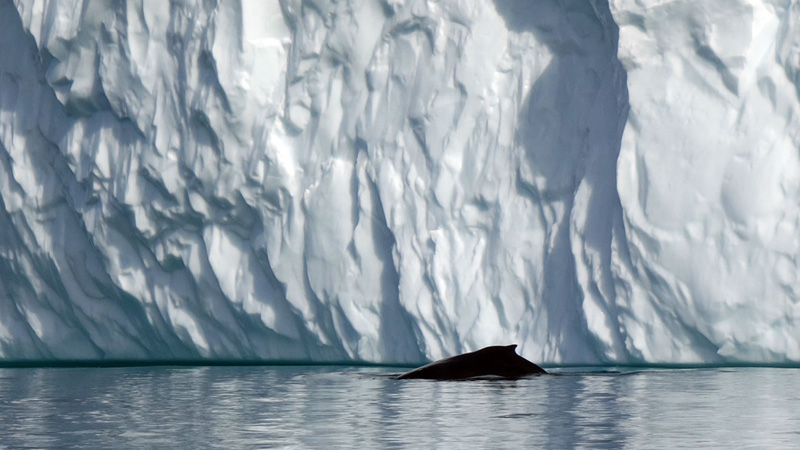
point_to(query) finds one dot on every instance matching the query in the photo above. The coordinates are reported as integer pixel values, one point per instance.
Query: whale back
(497, 360)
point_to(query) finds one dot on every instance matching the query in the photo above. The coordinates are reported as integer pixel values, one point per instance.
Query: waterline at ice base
(600, 182)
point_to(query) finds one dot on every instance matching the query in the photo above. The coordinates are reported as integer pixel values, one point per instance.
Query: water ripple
(325, 407)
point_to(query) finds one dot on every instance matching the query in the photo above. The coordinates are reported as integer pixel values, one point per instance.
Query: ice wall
(395, 181)
(709, 180)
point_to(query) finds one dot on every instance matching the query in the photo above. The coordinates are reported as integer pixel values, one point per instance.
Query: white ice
(394, 181)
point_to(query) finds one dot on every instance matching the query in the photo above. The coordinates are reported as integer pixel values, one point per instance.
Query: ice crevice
(600, 182)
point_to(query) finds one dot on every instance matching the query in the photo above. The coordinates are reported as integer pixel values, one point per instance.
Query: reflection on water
(325, 407)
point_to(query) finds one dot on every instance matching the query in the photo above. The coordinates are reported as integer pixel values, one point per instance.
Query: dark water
(339, 407)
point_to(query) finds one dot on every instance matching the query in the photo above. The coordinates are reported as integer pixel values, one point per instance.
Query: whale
(501, 361)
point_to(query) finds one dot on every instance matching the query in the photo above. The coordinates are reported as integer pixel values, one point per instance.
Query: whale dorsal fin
(512, 348)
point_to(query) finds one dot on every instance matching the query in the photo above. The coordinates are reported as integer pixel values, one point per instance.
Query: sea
(368, 408)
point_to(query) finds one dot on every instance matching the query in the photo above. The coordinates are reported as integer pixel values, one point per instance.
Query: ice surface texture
(394, 181)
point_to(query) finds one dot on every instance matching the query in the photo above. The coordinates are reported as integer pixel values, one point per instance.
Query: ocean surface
(365, 407)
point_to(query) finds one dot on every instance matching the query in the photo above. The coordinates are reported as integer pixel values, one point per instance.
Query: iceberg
(599, 182)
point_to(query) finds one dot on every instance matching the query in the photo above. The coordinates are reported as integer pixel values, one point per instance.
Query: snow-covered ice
(393, 181)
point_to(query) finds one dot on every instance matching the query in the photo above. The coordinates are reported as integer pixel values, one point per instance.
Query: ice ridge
(376, 180)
